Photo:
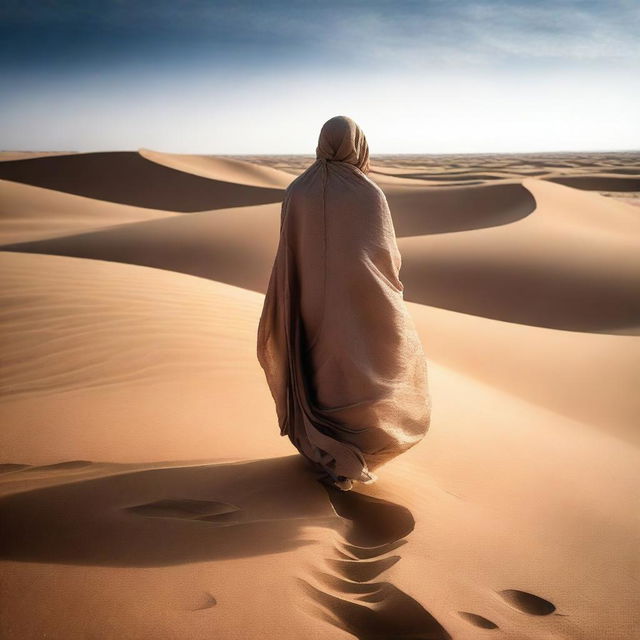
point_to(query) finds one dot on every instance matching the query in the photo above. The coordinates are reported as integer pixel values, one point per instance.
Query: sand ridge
(498, 267)
(128, 178)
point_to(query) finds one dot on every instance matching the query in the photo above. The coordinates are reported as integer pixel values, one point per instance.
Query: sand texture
(145, 491)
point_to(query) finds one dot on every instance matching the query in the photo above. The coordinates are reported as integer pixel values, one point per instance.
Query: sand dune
(128, 178)
(209, 244)
(536, 271)
(86, 341)
(421, 211)
(599, 183)
(25, 155)
(386, 178)
(476, 477)
(223, 169)
(533, 270)
(214, 244)
(514, 163)
(415, 167)
(545, 367)
(601, 172)
(29, 213)
(139, 467)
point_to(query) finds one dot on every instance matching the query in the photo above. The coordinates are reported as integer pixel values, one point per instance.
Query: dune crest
(523, 261)
(536, 270)
(219, 168)
(126, 177)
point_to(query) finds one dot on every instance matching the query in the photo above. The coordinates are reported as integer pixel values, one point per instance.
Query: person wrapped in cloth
(340, 352)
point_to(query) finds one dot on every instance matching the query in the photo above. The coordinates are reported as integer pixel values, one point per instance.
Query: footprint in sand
(204, 601)
(366, 553)
(395, 616)
(362, 570)
(349, 598)
(477, 621)
(527, 602)
(188, 509)
(371, 522)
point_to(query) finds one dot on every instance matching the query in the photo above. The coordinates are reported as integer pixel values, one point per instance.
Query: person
(341, 355)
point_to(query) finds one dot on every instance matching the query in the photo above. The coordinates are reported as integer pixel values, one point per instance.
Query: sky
(240, 77)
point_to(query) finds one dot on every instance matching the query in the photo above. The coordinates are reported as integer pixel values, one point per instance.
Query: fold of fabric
(340, 353)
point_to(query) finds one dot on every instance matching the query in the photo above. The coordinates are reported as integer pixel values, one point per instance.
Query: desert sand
(145, 490)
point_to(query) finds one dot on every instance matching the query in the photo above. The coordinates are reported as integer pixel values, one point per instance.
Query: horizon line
(311, 155)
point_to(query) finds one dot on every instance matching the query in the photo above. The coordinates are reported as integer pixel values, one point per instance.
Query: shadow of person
(166, 516)
(178, 514)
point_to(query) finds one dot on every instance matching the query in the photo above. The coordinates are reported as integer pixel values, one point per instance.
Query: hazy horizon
(248, 78)
(311, 155)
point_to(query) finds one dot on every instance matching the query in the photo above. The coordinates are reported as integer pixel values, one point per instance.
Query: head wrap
(342, 140)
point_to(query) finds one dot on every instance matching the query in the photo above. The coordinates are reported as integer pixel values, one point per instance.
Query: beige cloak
(340, 352)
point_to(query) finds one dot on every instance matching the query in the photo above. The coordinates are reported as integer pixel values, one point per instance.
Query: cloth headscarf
(340, 352)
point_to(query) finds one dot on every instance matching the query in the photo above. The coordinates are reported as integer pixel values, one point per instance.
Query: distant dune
(600, 183)
(221, 169)
(537, 271)
(420, 210)
(531, 270)
(128, 178)
(25, 155)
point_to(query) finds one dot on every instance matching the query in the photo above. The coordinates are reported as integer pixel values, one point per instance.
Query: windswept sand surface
(145, 491)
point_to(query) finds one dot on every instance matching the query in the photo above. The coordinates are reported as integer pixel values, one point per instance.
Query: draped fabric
(339, 350)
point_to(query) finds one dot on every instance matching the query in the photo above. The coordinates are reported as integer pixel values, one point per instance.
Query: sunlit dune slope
(108, 363)
(219, 168)
(554, 369)
(30, 213)
(118, 356)
(215, 244)
(236, 246)
(572, 263)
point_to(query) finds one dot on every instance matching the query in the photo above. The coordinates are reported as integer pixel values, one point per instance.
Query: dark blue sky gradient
(73, 39)
(75, 33)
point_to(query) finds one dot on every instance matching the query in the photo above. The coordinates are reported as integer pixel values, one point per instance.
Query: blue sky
(261, 77)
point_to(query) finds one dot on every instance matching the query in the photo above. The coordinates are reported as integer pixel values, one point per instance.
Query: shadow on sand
(179, 514)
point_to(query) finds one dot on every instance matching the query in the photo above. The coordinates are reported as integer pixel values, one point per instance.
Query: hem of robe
(342, 462)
